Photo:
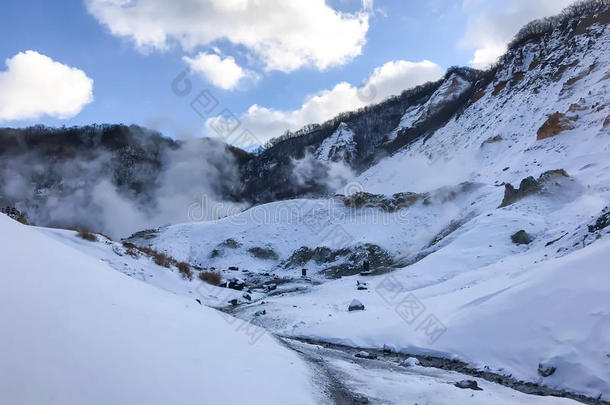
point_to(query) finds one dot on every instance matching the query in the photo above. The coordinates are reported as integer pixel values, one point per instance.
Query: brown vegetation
(493, 139)
(534, 64)
(185, 270)
(210, 277)
(86, 235)
(554, 125)
(499, 87)
(478, 95)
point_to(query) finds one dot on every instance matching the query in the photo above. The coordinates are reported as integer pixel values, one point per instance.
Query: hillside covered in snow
(449, 245)
(493, 224)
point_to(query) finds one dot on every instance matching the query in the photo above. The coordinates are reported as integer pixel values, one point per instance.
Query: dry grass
(554, 125)
(185, 270)
(499, 87)
(210, 277)
(478, 95)
(493, 139)
(160, 259)
(534, 64)
(86, 235)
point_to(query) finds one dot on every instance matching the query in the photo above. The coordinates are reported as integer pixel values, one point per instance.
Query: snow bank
(77, 332)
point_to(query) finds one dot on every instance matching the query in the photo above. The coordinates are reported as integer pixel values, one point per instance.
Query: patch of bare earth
(554, 125)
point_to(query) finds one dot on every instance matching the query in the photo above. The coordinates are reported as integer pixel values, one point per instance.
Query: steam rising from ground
(329, 175)
(83, 191)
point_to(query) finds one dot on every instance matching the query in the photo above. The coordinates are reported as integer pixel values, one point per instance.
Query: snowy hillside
(537, 299)
(77, 332)
(449, 245)
(340, 146)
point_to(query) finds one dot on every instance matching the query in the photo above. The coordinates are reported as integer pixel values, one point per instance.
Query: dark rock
(355, 305)
(233, 302)
(387, 349)
(299, 257)
(366, 355)
(271, 287)
(468, 384)
(546, 370)
(261, 312)
(354, 258)
(529, 185)
(247, 296)
(521, 238)
(386, 203)
(324, 254)
(230, 243)
(236, 284)
(198, 300)
(233, 268)
(263, 253)
(602, 222)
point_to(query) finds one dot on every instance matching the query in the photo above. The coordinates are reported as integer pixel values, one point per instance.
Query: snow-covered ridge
(340, 146)
(451, 89)
(524, 299)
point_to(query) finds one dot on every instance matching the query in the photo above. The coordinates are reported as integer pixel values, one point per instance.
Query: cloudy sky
(237, 68)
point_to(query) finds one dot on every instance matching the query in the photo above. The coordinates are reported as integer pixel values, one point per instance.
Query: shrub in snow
(521, 238)
(210, 277)
(185, 270)
(86, 235)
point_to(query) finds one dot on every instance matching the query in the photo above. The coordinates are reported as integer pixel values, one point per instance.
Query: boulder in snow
(468, 384)
(366, 355)
(546, 370)
(521, 238)
(356, 305)
(410, 362)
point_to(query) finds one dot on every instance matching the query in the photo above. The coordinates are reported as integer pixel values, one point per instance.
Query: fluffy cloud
(285, 35)
(34, 85)
(221, 72)
(390, 79)
(494, 23)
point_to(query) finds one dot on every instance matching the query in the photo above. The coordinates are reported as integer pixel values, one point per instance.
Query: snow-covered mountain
(471, 240)
(340, 146)
(440, 221)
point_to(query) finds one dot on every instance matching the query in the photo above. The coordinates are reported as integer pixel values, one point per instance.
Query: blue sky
(131, 83)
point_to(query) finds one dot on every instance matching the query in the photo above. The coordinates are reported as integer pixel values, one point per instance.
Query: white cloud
(35, 85)
(390, 79)
(285, 35)
(492, 24)
(221, 72)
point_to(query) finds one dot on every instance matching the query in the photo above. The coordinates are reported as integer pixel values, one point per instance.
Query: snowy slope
(453, 87)
(340, 146)
(505, 306)
(78, 332)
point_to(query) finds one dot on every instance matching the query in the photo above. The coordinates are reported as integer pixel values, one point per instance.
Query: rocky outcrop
(386, 203)
(263, 253)
(521, 238)
(353, 262)
(528, 186)
(554, 125)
